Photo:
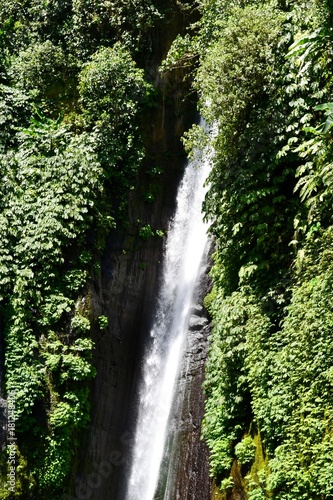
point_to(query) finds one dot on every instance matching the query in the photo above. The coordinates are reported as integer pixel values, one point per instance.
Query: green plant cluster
(81, 27)
(265, 83)
(71, 98)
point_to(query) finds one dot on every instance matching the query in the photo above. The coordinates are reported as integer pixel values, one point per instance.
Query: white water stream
(186, 242)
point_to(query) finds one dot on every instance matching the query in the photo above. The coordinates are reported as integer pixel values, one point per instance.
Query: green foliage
(313, 53)
(103, 322)
(241, 70)
(51, 192)
(245, 450)
(80, 324)
(14, 110)
(146, 232)
(113, 90)
(264, 80)
(82, 26)
(182, 54)
(111, 84)
(227, 409)
(68, 416)
(96, 23)
(257, 494)
(239, 66)
(227, 483)
(55, 193)
(42, 70)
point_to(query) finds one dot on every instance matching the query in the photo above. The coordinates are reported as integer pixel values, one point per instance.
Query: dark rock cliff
(126, 289)
(186, 475)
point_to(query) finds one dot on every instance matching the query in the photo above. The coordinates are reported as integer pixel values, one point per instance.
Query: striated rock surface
(125, 292)
(186, 475)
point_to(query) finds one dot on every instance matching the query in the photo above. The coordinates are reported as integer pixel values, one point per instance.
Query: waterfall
(185, 247)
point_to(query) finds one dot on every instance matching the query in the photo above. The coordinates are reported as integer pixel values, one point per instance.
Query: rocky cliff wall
(186, 475)
(126, 289)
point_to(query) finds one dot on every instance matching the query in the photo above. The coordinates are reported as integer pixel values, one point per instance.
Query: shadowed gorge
(184, 250)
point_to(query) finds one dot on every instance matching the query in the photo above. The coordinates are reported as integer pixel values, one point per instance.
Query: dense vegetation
(265, 83)
(73, 88)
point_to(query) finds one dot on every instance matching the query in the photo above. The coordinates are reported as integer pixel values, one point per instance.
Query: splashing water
(185, 247)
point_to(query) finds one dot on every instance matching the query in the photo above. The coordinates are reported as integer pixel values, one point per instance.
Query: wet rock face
(197, 322)
(191, 469)
(186, 463)
(125, 293)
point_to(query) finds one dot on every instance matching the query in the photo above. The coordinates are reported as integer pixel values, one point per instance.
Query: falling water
(187, 238)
